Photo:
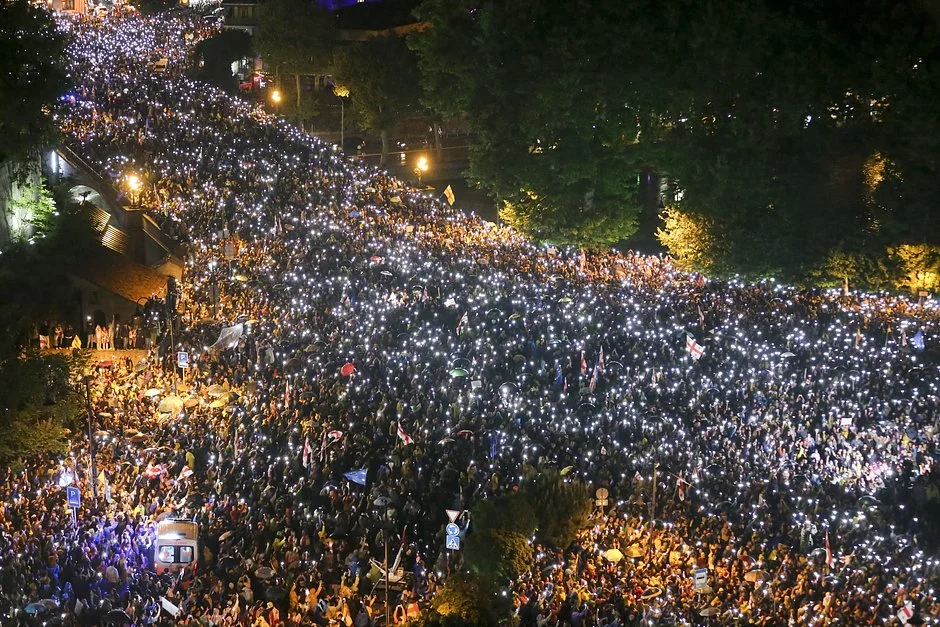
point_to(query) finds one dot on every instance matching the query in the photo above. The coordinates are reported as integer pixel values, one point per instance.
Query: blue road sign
(182, 359)
(452, 529)
(453, 543)
(74, 497)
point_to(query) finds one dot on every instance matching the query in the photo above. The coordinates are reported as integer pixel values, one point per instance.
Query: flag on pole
(559, 375)
(593, 383)
(583, 364)
(404, 437)
(306, 455)
(917, 341)
(462, 322)
(449, 195)
(681, 487)
(903, 337)
(695, 349)
(828, 550)
(858, 337)
(701, 316)
(286, 392)
(600, 360)
(357, 476)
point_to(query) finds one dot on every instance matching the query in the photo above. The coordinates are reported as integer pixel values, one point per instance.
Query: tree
(382, 77)
(37, 400)
(499, 553)
(31, 78)
(562, 506)
(33, 270)
(295, 38)
(217, 53)
(767, 118)
(473, 599)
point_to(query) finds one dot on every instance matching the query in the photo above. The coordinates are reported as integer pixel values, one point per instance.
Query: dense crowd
(365, 357)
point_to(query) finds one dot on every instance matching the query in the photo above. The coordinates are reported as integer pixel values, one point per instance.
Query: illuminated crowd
(339, 321)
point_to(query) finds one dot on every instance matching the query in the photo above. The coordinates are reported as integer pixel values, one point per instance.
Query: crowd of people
(364, 357)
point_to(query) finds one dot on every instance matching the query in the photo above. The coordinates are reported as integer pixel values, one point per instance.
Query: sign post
(182, 361)
(699, 578)
(452, 542)
(74, 498)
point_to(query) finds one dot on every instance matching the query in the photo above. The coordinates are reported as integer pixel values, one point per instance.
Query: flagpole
(386, 578)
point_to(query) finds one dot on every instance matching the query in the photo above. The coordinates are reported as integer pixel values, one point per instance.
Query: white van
(177, 545)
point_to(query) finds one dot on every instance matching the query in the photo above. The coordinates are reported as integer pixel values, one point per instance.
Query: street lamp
(341, 92)
(276, 98)
(134, 185)
(421, 167)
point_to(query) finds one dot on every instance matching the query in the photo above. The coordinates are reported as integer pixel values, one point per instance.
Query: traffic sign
(182, 359)
(453, 543)
(74, 497)
(700, 578)
(452, 514)
(452, 529)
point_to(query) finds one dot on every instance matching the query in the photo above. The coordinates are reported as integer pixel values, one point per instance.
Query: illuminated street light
(421, 167)
(133, 182)
(276, 97)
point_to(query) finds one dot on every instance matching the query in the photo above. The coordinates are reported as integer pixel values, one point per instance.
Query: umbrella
(613, 555)
(101, 434)
(50, 604)
(264, 572)
(241, 277)
(634, 551)
(347, 369)
(170, 404)
(189, 403)
(651, 593)
(382, 501)
(706, 589)
(217, 403)
(709, 611)
(35, 608)
(459, 372)
(225, 536)
(153, 392)
(215, 390)
(105, 414)
(137, 439)
(755, 575)
(787, 355)
(129, 433)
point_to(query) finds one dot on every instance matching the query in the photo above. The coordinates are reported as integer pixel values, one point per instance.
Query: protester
(343, 329)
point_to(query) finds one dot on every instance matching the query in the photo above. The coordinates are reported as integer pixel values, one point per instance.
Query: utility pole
(653, 506)
(386, 578)
(91, 438)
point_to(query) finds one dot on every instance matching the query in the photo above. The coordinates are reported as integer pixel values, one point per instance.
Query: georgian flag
(462, 322)
(695, 349)
(307, 451)
(583, 364)
(185, 473)
(593, 383)
(404, 437)
(600, 360)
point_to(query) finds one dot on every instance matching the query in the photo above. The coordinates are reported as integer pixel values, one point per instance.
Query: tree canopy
(296, 39)
(381, 75)
(797, 134)
(217, 54)
(31, 77)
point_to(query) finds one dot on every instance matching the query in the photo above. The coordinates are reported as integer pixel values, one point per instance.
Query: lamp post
(91, 438)
(276, 99)
(134, 184)
(421, 167)
(341, 92)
